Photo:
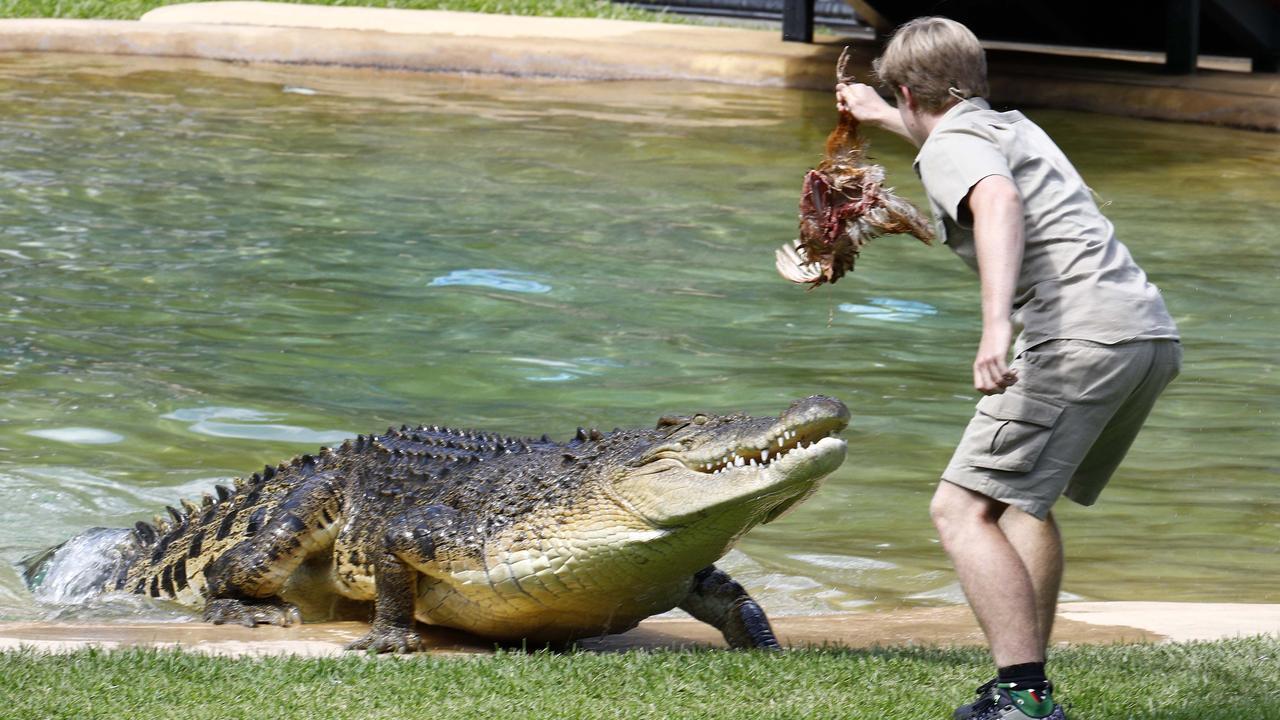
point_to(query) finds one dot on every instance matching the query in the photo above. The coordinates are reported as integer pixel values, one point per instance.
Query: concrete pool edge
(579, 48)
(1079, 623)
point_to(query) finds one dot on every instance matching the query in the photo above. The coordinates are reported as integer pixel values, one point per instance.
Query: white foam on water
(252, 425)
(197, 414)
(506, 280)
(843, 562)
(558, 377)
(889, 310)
(78, 435)
(567, 369)
(950, 594)
(281, 433)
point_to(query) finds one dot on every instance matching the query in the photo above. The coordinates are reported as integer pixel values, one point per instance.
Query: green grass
(1195, 681)
(133, 9)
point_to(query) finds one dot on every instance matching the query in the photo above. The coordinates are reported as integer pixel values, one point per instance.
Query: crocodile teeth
(760, 457)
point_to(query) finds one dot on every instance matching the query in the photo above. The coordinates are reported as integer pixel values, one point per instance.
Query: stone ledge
(581, 48)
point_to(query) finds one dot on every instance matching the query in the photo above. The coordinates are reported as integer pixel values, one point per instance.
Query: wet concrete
(1078, 623)
(606, 49)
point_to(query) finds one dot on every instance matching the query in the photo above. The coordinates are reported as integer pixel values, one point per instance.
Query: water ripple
(890, 310)
(78, 435)
(507, 280)
(254, 425)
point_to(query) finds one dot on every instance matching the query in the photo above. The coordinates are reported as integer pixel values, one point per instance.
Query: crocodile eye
(671, 421)
(700, 419)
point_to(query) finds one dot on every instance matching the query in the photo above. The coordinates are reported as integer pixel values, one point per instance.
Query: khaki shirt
(1077, 280)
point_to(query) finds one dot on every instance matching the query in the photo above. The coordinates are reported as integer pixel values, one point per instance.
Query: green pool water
(204, 268)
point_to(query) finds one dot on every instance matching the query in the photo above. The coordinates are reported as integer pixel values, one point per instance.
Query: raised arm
(864, 103)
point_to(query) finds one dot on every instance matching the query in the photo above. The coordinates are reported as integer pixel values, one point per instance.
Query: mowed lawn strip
(134, 9)
(1192, 681)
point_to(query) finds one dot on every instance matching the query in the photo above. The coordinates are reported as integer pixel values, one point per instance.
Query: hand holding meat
(843, 204)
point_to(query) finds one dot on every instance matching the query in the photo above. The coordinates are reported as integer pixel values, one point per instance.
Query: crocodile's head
(752, 468)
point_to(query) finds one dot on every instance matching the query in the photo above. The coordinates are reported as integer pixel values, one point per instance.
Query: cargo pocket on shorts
(1017, 429)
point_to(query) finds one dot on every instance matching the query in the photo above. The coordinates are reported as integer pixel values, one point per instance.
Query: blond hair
(932, 56)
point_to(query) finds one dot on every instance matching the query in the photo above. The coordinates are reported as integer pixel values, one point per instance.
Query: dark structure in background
(1183, 29)
(836, 14)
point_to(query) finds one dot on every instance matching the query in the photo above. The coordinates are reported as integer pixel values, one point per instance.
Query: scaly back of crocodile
(169, 556)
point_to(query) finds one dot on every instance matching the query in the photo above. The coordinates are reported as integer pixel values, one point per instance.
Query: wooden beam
(870, 16)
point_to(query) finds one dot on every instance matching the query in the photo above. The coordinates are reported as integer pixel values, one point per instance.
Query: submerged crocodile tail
(80, 567)
(36, 565)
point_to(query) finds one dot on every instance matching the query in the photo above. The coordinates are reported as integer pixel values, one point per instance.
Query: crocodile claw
(389, 640)
(251, 613)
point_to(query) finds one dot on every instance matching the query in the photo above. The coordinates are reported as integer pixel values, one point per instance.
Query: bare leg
(995, 581)
(1039, 544)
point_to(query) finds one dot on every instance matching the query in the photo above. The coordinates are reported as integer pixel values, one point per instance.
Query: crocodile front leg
(393, 622)
(411, 542)
(243, 582)
(719, 601)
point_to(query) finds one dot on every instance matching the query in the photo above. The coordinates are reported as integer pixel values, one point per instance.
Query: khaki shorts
(1064, 427)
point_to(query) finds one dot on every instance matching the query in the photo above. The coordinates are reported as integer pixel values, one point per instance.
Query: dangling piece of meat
(843, 205)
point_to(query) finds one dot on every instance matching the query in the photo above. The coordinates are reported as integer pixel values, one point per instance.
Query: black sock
(1026, 675)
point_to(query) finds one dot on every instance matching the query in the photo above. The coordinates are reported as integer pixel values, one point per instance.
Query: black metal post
(797, 21)
(1254, 25)
(1182, 38)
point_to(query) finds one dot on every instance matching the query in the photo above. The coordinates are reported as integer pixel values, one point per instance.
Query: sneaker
(984, 700)
(1008, 702)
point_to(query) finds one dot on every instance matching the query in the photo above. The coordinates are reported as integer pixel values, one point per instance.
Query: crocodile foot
(389, 639)
(251, 613)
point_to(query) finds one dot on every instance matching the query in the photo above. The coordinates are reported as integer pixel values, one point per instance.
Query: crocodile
(511, 539)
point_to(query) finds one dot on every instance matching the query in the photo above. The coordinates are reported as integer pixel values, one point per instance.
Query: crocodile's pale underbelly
(497, 612)
(557, 594)
(556, 589)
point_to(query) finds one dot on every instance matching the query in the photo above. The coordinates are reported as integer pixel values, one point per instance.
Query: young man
(1096, 345)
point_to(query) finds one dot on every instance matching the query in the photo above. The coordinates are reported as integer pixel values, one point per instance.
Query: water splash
(76, 570)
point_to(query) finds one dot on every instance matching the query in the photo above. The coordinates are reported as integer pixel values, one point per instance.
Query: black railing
(830, 13)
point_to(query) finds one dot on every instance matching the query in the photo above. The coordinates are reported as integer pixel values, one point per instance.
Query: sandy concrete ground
(1078, 623)
(606, 49)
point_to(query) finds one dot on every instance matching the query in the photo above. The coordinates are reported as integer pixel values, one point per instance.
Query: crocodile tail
(175, 549)
(35, 566)
(80, 567)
